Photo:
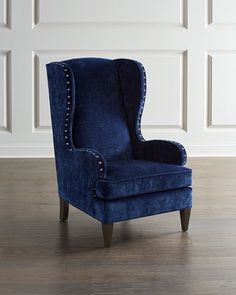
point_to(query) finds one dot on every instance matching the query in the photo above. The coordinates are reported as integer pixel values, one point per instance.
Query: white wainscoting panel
(222, 89)
(5, 115)
(5, 6)
(2, 13)
(166, 111)
(107, 11)
(188, 48)
(223, 11)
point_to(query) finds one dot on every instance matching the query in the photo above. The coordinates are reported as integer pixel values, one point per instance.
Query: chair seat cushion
(134, 177)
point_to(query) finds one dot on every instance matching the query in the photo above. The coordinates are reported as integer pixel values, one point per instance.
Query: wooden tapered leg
(64, 210)
(107, 230)
(184, 217)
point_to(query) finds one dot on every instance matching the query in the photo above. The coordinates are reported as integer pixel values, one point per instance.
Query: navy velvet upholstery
(142, 205)
(104, 165)
(105, 128)
(134, 177)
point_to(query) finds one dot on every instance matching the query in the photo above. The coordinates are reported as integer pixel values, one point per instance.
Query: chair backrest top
(101, 118)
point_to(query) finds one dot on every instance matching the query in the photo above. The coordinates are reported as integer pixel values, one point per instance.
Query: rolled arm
(77, 172)
(162, 151)
(97, 160)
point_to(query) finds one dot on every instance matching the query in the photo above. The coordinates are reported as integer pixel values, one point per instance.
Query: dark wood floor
(39, 255)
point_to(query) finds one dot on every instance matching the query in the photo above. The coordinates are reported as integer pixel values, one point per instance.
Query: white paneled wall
(188, 48)
(106, 11)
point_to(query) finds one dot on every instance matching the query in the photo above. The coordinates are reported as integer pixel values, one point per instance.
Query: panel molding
(209, 91)
(182, 127)
(211, 17)
(7, 110)
(183, 21)
(210, 12)
(36, 124)
(184, 91)
(209, 101)
(36, 105)
(36, 17)
(184, 13)
(6, 22)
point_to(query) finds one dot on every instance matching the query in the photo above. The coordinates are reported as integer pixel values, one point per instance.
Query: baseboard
(211, 150)
(26, 152)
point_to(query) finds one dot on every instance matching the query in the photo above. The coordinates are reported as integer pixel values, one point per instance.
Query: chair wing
(134, 84)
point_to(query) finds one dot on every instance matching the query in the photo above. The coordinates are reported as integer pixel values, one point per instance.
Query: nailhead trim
(100, 164)
(68, 117)
(142, 103)
(68, 102)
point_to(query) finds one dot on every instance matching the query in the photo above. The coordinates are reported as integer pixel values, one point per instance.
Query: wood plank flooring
(39, 255)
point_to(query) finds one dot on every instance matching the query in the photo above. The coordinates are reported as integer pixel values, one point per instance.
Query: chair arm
(77, 172)
(96, 158)
(163, 151)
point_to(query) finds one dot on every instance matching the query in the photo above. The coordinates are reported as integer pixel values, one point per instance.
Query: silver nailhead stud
(68, 82)
(65, 70)
(100, 162)
(65, 130)
(66, 136)
(67, 75)
(101, 169)
(67, 143)
(68, 102)
(68, 96)
(68, 89)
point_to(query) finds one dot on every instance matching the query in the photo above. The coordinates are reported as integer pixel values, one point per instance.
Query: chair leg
(184, 217)
(107, 230)
(64, 210)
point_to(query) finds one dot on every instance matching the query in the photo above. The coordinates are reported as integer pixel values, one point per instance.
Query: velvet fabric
(142, 205)
(104, 126)
(133, 83)
(104, 166)
(134, 177)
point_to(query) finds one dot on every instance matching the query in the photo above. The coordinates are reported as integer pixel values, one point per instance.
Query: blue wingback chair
(104, 166)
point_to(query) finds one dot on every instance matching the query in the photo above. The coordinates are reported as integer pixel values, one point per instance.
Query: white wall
(187, 46)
